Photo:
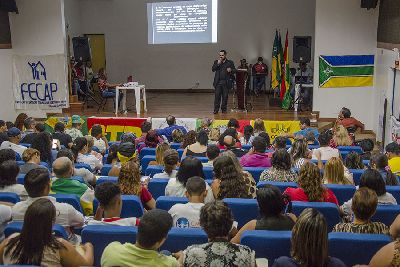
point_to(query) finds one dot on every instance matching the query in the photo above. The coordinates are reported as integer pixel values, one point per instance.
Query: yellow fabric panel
(357, 81)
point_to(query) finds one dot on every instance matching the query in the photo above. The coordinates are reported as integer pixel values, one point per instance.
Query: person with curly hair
(335, 172)
(177, 136)
(213, 136)
(129, 183)
(189, 139)
(281, 170)
(310, 187)
(300, 153)
(353, 161)
(340, 137)
(228, 181)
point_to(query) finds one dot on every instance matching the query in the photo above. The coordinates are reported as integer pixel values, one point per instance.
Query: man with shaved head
(230, 143)
(64, 184)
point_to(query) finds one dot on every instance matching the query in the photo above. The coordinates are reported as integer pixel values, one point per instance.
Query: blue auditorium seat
(144, 162)
(157, 187)
(355, 249)
(16, 227)
(146, 151)
(153, 169)
(356, 175)
(386, 214)
(71, 199)
(349, 149)
(175, 145)
(21, 178)
(106, 169)
(246, 147)
(131, 206)
(44, 164)
(395, 191)
(95, 148)
(25, 145)
(103, 179)
(329, 210)
(110, 143)
(180, 238)
(78, 178)
(208, 173)
(9, 197)
(268, 244)
(244, 210)
(83, 165)
(281, 185)
(102, 235)
(255, 172)
(344, 154)
(342, 192)
(313, 147)
(18, 157)
(165, 203)
(180, 152)
(20, 162)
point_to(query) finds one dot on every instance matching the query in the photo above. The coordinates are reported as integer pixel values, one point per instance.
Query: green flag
(287, 100)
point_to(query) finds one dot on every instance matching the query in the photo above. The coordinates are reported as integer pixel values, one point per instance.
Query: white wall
(72, 19)
(246, 29)
(343, 28)
(38, 29)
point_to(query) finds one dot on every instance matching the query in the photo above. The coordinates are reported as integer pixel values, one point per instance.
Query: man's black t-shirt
(64, 138)
(28, 139)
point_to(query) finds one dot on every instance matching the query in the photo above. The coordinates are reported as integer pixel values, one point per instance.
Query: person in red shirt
(310, 187)
(347, 121)
(260, 72)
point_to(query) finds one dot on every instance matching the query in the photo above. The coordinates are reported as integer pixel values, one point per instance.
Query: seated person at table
(199, 148)
(380, 163)
(37, 184)
(152, 233)
(260, 72)
(100, 141)
(310, 187)
(347, 121)
(393, 154)
(309, 243)
(171, 160)
(216, 220)
(188, 215)
(108, 89)
(8, 179)
(271, 205)
(256, 157)
(110, 204)
(230, 144)
(189, 167)
(87, 175)
(212, 153)
(281, 170)
(363, 205)
(325, 150)
(167, 132)
(31, 157)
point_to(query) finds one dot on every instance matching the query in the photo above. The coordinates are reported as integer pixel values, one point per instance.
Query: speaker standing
(223, 80)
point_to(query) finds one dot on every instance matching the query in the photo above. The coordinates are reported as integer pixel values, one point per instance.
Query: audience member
(39, 127)
(353, 161)
(29, 125)
(37, 184)
(9, 125)
(90, 144)
(233, 123)
(64, 184)
(305, 127)
(340, 137)
(310, 187)
(161, 148)
(43, 143)
(126, 152)
(231, 132)
(228, 181)
(325, 150)
(177, 136)
(380, 163)
(87, 175)
(151, 140)
(367, 146)
(3, 132)
(167, 132)
(189, 139)
(108, 89)
(387, 256)
(37, 245)
(347, 121)
(230, 145)
(170, 162)
(212, 153)
(393, 154)
(248, 135)
(281, 170)
(152, 233)
(80, 150)
(311, 139)
(130, 184)
(336, 173)
(188, 215)
(259, 127)
(5, 218)
(363, 205)
(100, 141)
(112, 156)
(19, 121)
(216, 220)
(7, 154)
(110, 205)
(267, 139)
(199, 148)
(213, 136)
(280, 142)
(205, 125)
(31, 157)
(309, 243)
(127, 137)
(75, 130)
(189, 167)
(272, 206)
(8, 179)
(300, 153)
(256, 157)
(60, 135)
(14, 136)
(145, 127)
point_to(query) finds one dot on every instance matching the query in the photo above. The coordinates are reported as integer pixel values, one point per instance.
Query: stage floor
(197, 105)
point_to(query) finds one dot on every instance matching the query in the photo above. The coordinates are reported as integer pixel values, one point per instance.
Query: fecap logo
(38, 70)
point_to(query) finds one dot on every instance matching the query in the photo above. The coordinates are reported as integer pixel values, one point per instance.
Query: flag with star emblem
(346, 71)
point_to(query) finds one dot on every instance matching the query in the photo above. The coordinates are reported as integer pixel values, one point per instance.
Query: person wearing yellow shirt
(393, 154)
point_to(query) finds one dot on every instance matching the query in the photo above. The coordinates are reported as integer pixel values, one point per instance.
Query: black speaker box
(368, 4)
(302, 49)
(81, 49)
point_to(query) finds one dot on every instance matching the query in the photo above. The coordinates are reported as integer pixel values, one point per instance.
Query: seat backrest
(281, 185)
(165, 203)
(244, 210)
(349, 149)
(146, 151)
(102, 235)
(395, 191)
(329, 210)
(180, 238)
(16, 227)
(355, 249)
(20, 162)
(386, 214)
(106, 169)
(104, 179)
(175, 145)
(25, 145)
(153, 169)
(356, 175)
(268, 244)
(343, 193)
(255, 172)
(78, 178)
(344, 154)
(208, 172)
(180, 152)
(21, 178)
(9, 197)
(83, 165)
(144, 162)
(157, 187)
(131, 206)
(71, 199)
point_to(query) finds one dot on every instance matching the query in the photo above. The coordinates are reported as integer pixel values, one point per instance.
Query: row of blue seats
(266, 244)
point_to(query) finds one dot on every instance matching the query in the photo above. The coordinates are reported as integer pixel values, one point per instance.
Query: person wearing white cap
(75, 131)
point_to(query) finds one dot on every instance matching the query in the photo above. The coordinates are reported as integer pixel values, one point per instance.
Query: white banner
(40, 82)
(188, 123)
